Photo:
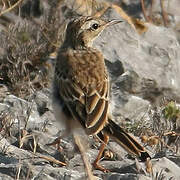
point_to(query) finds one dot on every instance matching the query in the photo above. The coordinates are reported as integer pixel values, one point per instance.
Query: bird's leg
(57, 141)
(101, 150)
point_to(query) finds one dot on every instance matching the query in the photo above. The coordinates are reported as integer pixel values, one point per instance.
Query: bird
(81, 88)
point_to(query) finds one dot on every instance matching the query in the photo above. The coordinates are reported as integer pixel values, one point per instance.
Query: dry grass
(8, 6)
(162, 131)
(26, 47)
(6, 123)
(24, 52)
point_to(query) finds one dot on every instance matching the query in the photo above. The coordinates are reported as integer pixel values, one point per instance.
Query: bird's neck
(76, 44)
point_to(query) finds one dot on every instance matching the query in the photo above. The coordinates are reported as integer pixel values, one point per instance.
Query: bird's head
(82, 31)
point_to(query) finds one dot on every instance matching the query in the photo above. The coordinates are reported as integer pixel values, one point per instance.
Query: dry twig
(150, 13)
(144, 11)
(84, 157)
(11, 7)
(52, 160)
(164, 14)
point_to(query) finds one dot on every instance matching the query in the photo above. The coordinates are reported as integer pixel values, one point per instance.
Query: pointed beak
(112, 22)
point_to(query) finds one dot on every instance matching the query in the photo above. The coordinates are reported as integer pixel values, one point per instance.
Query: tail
(126, 141)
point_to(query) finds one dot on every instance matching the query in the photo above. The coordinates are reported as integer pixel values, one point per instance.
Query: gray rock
(23, 110)
(127, 176)
(175, 159)
(3, 107)
(166, 168)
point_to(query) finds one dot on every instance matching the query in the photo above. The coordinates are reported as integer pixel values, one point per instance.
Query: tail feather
(125, 140)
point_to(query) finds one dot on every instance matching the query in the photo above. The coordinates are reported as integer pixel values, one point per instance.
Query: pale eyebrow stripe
(90, 18)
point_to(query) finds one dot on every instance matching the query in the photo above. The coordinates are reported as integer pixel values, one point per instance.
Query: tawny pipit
(81, 87)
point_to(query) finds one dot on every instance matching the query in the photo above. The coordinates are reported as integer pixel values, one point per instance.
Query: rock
(166, 168)
(175, 159)
(43, 100)
(3, 107)
(22, 109)
(127, 176)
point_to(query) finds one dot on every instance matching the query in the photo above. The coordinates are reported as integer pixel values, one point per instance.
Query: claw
(99, 167)
(56, 142)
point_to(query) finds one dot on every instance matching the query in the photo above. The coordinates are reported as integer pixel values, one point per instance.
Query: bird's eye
(95, 26)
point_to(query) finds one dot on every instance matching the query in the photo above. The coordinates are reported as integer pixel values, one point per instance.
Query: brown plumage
(83, 83)
(81, 86)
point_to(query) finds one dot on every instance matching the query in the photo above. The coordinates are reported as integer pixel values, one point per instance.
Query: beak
(112, 22)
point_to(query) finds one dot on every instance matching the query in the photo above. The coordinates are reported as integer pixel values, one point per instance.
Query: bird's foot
(99, 167)
(56, 143)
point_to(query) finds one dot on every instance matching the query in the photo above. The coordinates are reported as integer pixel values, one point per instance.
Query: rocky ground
(145, 97)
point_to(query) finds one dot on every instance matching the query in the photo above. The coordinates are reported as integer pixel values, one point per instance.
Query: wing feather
(91, 102)
(96, 114)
